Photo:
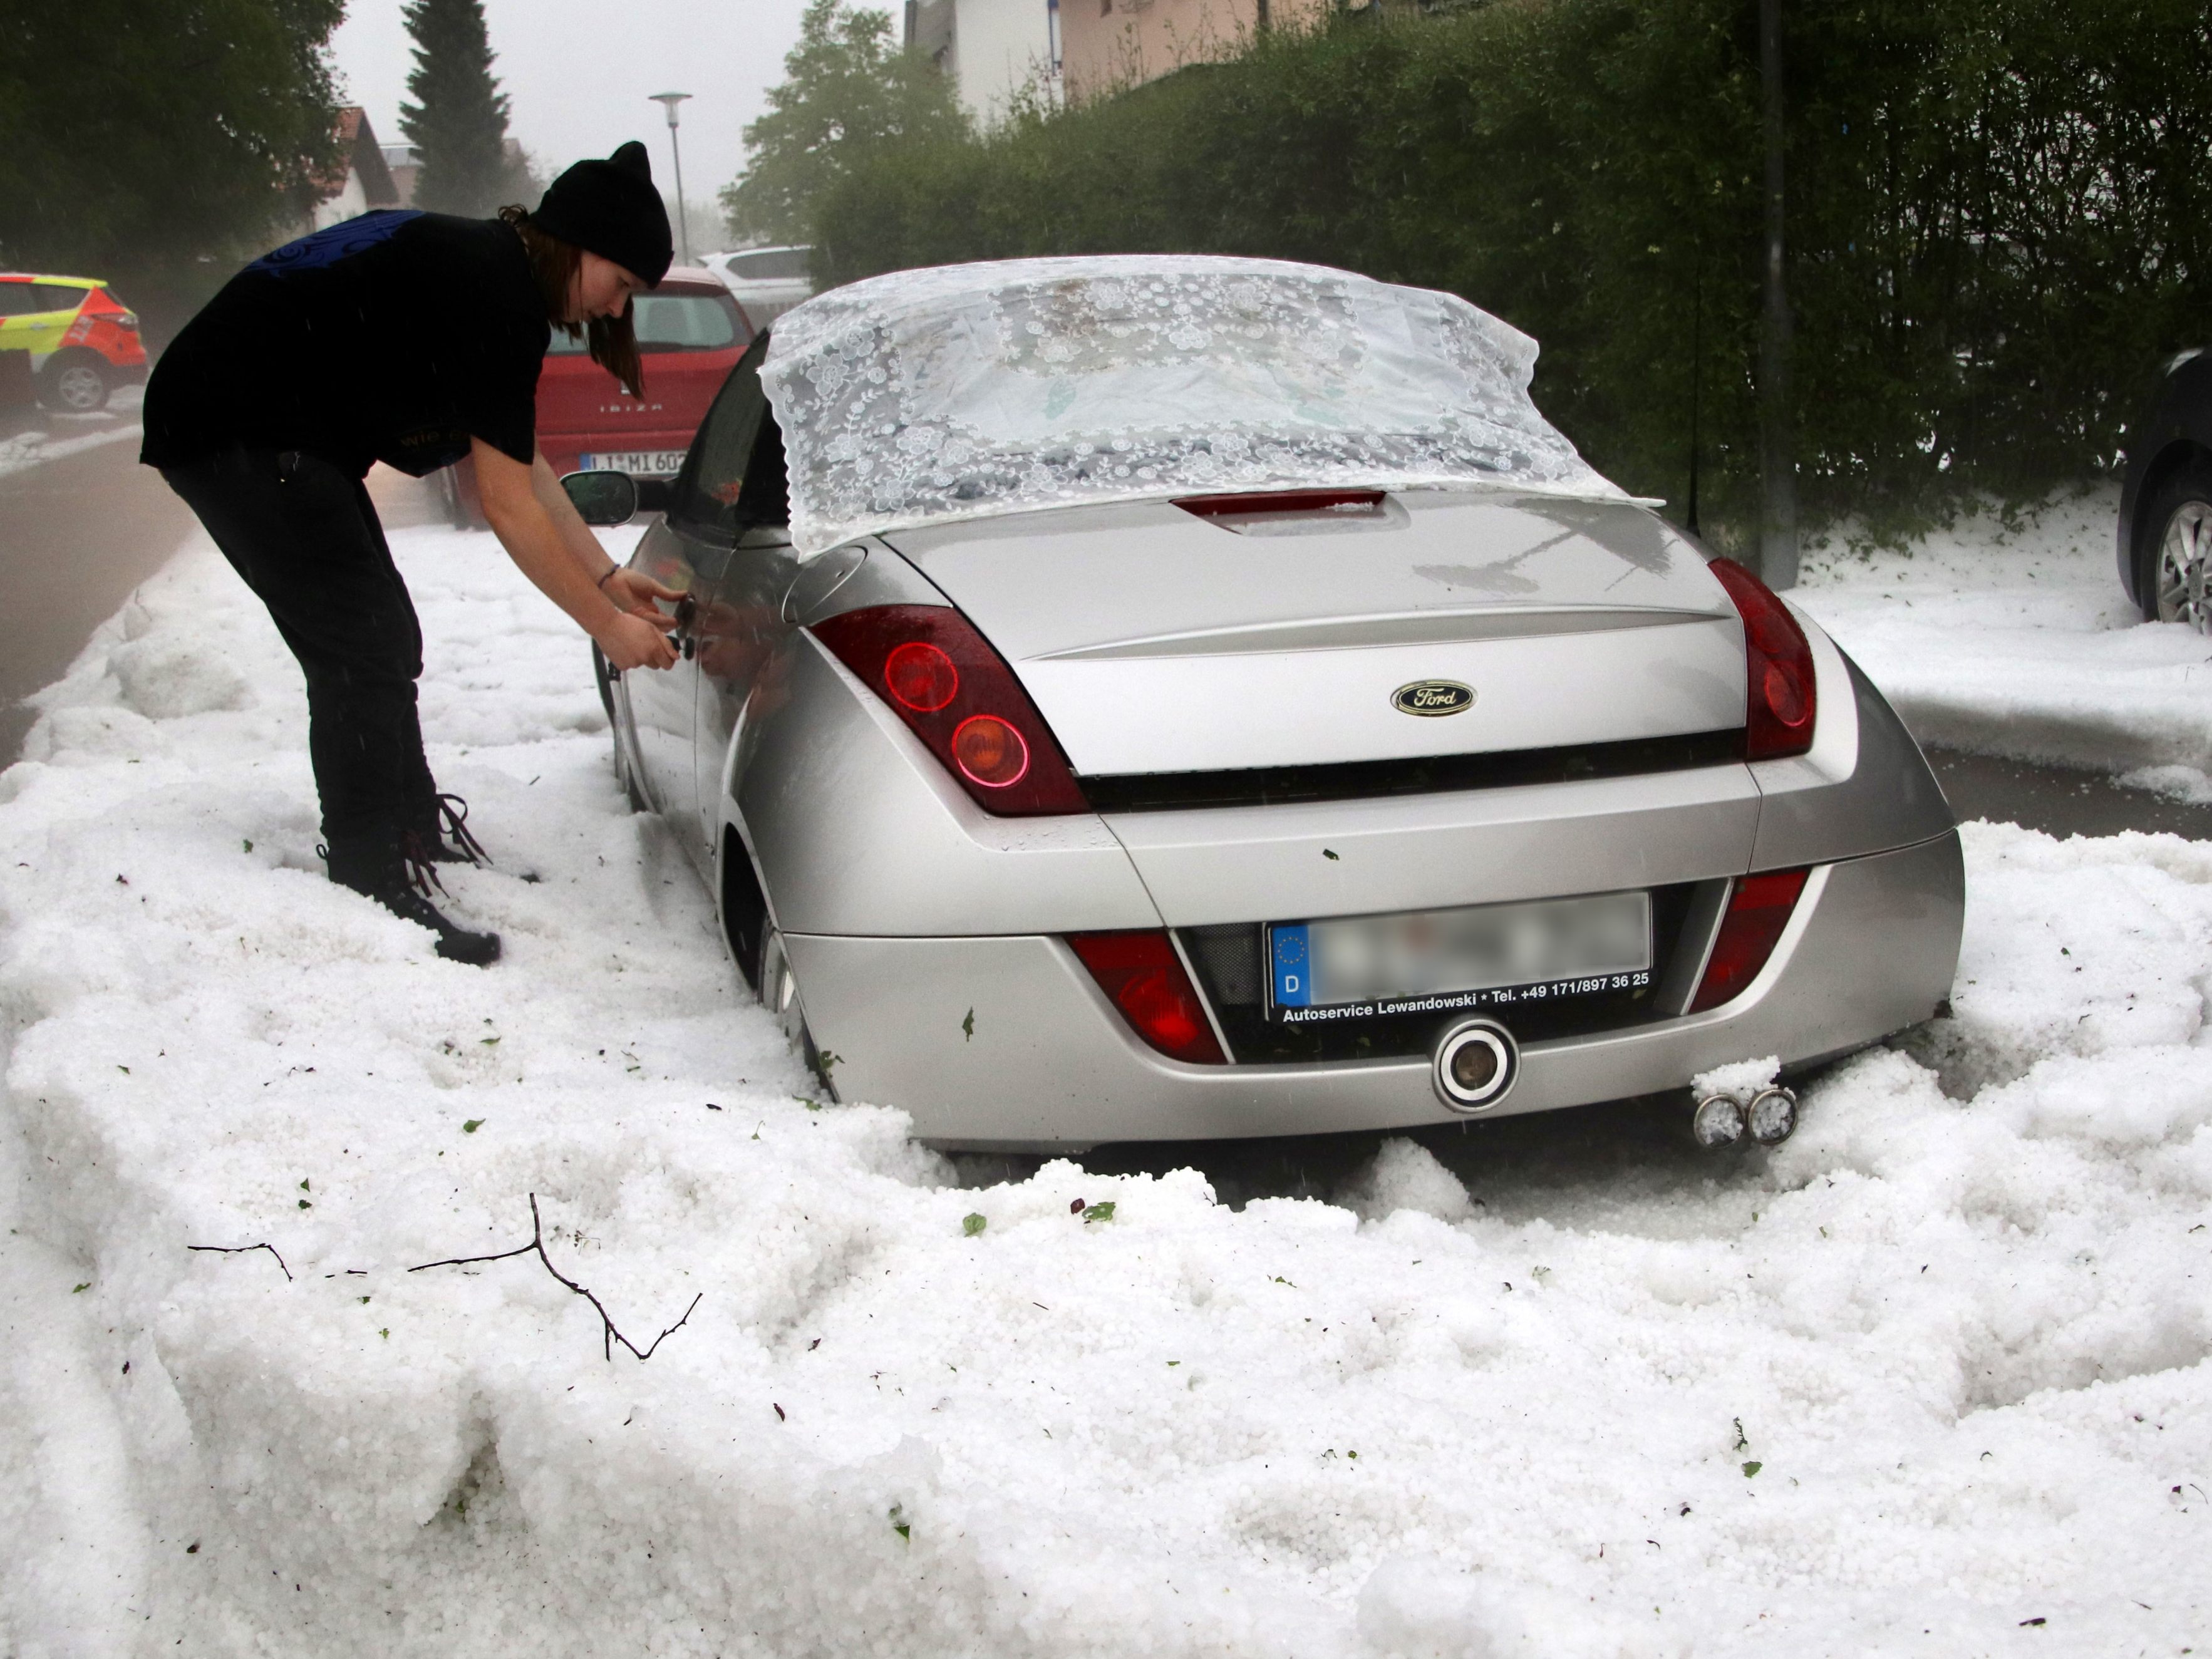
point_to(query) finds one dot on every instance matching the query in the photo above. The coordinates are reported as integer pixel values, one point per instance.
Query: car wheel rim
(78, 388)
(2183, 555)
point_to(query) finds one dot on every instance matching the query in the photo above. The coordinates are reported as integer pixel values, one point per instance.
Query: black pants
(305, 537)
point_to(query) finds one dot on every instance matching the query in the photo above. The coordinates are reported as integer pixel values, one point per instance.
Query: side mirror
(602, 497)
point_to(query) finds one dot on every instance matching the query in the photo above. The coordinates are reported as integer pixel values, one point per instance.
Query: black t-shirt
(396, 337)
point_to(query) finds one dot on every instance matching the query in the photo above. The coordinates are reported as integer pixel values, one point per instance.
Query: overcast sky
(577, 74)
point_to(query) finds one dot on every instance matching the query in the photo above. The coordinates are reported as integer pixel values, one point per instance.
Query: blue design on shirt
(336, 242)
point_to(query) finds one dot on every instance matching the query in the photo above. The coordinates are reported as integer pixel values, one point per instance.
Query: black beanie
(611, 209)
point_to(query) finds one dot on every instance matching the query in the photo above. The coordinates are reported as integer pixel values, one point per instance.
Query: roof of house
(362, 156)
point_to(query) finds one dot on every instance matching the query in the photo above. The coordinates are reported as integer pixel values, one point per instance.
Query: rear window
(673, 322)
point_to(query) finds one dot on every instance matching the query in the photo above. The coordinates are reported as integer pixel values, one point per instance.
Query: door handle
(687, 608)
(690, 647)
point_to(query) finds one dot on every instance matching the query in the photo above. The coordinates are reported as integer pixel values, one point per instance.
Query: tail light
(1144, 977)
(940, 676)
(1779, 660)
(1758, 910)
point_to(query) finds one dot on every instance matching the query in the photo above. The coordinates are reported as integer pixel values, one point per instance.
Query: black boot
(439, 827)
(376, 866)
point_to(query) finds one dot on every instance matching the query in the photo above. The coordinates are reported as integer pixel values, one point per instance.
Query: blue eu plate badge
(1292, 965)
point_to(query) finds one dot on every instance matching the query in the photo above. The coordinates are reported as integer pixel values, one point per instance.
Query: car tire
(2173, 574)
(74, 383)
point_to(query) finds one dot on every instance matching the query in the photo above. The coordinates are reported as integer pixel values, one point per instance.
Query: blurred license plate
(644, 463)
(1441, 961)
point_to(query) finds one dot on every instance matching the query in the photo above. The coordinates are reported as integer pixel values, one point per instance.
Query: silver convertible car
(1145, 698)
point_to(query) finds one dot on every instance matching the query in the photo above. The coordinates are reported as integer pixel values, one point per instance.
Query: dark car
(2165, 506)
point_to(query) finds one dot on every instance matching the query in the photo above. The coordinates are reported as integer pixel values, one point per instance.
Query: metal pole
(1777, 511)
(668, 100)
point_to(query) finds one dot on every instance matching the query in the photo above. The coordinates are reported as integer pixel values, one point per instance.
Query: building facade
(995, 50)
(1107, 45)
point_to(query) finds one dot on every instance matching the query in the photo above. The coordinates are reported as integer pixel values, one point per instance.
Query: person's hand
(635, 592)
(628, 641)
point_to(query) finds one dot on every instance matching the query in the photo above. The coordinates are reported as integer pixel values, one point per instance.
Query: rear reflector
(1141, 974)
(940, 676)
(1778, 667)
(1758, 910)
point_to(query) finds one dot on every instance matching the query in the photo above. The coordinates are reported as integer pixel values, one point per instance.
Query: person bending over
(414, 339)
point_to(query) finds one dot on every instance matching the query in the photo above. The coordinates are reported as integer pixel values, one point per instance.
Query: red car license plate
(644, 463)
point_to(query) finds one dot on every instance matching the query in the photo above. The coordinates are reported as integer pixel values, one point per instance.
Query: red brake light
(941, 677)
(1778, 665)
(990, 752)
(1142, 973)
(921, 677)
(1758, 910)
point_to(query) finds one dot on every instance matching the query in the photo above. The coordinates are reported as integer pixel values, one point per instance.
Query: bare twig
(609, 1335)
(242, 1249)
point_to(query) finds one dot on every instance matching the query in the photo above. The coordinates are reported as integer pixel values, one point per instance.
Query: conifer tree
(458, 116)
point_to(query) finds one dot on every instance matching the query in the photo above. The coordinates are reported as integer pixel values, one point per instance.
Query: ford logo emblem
(1427, 697)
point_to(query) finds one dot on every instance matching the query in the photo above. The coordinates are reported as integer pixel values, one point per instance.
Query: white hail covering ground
(28, 449)
(2023, 643)
(1930, 1379)
(966, 392)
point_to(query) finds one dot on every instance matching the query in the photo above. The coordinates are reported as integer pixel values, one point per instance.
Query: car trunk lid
(1157, 640)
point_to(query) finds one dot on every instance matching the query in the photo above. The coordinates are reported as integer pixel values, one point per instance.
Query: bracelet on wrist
(602, 583)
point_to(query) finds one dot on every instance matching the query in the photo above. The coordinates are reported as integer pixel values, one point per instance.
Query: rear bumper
(1004, 1041)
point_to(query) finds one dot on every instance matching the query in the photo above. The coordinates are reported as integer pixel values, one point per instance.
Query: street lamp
(668, 100)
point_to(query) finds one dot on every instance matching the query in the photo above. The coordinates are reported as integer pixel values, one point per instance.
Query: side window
(55, 296)
(16, 299)
(734, 476)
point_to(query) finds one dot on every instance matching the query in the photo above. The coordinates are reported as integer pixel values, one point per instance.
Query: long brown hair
(554, 263)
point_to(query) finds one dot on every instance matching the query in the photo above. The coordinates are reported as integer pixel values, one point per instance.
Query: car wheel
(74, 385)
(2179, 561)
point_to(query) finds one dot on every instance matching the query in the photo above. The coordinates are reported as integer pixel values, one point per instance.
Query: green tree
(848, 92)
(152, 141)
(459, 117)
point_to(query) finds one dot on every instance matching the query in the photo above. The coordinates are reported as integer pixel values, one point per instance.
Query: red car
(690, 334)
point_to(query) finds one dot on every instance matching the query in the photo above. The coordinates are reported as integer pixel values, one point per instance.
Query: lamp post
(668, 100)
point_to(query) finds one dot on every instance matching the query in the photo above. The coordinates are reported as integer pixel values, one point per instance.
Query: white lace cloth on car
(970, 391)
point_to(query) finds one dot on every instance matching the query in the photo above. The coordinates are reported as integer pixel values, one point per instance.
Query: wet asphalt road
(77, 534)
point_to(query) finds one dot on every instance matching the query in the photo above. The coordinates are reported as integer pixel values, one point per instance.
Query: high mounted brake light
(1281, 500)
(938, 675)
(1779, 701)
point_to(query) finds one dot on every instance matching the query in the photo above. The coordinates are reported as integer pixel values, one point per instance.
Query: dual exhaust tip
(1768, 1116)
(1476, 1063)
